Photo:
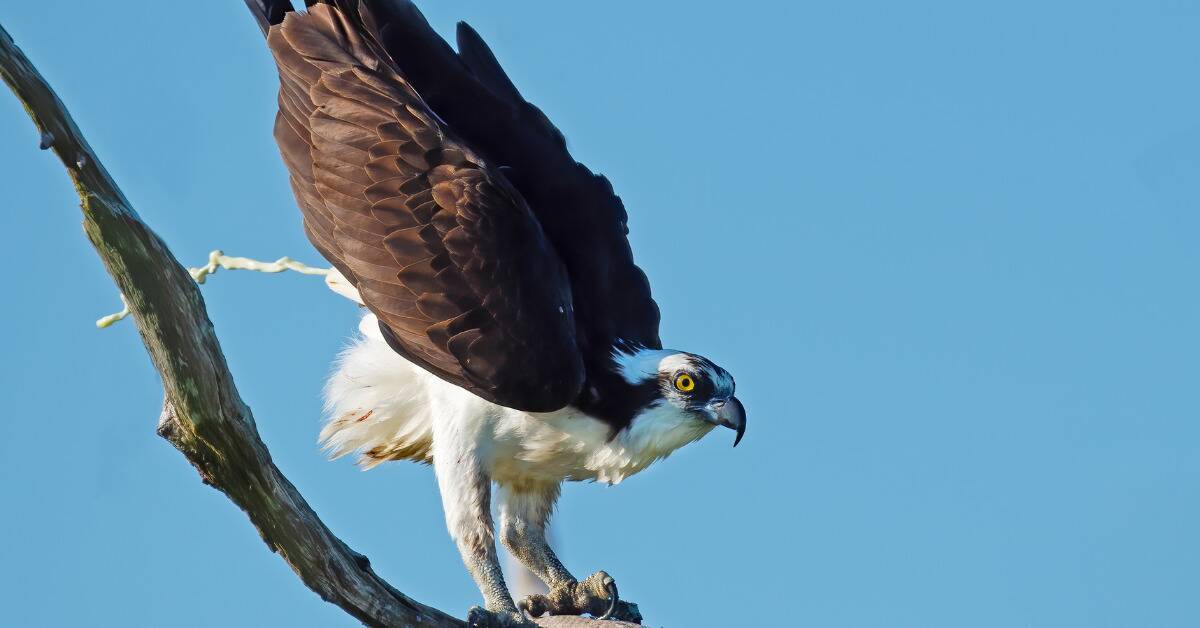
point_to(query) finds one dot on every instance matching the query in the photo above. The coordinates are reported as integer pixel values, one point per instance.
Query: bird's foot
(479, 617)
(596, 595)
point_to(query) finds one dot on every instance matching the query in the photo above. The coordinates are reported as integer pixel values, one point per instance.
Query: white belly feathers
(385, 408)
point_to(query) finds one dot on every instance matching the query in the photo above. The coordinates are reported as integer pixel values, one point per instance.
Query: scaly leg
(466, 499)
(523, 517)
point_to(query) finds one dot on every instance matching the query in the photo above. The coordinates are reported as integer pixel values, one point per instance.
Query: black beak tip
(735, 417)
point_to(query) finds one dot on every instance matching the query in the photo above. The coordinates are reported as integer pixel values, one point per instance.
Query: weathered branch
(203, 415)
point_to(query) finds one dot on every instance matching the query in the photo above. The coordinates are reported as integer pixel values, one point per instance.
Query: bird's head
(689, 384)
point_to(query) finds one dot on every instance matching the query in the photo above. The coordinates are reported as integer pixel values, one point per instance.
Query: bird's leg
(523, 516)
(466, 498)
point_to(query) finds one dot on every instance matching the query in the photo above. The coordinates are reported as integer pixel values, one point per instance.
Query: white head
(689, 384)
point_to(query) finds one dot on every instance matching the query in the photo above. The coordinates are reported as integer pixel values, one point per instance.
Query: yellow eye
(685, 383)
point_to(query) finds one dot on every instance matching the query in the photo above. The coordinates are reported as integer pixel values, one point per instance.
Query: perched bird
(510, 338)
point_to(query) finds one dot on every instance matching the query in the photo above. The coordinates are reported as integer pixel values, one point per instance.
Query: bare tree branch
(203, 415)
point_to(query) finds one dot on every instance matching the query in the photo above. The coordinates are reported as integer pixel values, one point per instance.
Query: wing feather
(581, 216)
(441, 247)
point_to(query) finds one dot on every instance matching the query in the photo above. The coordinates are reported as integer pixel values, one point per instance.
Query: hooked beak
(732, 415)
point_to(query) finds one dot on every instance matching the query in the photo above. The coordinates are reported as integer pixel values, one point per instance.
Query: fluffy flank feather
(375, 404)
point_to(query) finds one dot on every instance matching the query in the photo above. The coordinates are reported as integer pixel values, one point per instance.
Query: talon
(479, 617)
(535, 605)
(610, 585)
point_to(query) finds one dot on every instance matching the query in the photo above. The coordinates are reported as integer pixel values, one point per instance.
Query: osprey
(510, 338)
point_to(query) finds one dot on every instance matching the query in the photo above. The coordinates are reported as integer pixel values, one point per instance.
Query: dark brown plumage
(490, 256)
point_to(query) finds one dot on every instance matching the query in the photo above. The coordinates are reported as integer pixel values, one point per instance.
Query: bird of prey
(510, 338)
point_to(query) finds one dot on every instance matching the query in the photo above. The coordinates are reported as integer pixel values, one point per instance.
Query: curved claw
(479, 617)
(610, 585)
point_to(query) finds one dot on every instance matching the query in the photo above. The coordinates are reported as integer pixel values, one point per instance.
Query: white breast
(386, 408)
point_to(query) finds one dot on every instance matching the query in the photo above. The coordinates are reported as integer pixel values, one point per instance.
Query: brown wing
(442, 248)
(582, 217)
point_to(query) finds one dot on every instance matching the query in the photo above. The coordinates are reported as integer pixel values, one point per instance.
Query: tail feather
(479, 58)
(269, 12)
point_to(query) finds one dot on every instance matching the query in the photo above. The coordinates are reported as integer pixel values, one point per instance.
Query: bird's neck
(609, 397)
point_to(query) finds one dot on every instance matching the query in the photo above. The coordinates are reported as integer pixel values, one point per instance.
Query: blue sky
(948, 251)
